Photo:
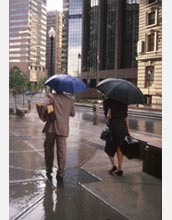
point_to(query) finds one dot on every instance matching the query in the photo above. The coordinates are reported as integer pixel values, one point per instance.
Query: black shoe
(60, 184)
(49, 171)
(59, 178)
(119, 172)
(112, 170)
(49, 177)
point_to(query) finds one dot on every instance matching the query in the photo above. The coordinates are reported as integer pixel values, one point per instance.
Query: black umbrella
(121, 90)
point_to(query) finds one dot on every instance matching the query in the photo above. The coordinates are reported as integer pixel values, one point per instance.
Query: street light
(97, 69)
(149, 78)
(148, 101)
(79, 57)
(51, 35)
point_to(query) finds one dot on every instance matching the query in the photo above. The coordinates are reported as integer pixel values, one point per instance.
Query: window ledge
(148, 56)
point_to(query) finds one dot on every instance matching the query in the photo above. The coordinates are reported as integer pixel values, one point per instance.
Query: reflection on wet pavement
(26, 160)
(23, 195)
(73, 176)
(70, 201)
(28, 187)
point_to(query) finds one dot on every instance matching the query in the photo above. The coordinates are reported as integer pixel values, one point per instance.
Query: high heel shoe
(112, 170)
(119, 172)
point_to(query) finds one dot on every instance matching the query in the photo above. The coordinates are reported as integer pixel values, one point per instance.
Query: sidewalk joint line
(108, 204)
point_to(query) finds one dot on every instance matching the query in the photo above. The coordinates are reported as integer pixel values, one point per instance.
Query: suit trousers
(49, 143)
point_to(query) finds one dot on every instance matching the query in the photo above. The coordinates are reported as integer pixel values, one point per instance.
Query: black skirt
(119, 130)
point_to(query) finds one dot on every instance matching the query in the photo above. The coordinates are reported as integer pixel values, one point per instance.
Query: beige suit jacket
(64, 108)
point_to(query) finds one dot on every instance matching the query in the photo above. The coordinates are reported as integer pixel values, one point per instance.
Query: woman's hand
(127, 122)
(106, 120)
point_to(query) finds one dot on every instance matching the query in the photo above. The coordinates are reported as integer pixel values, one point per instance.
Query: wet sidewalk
(88, 192)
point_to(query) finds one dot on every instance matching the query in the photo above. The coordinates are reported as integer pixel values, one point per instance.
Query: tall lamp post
(79, 57)
(51, 35)
(149, 79)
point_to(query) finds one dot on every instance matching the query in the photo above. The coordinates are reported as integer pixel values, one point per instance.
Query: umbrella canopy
(121, 90)
(66, 83)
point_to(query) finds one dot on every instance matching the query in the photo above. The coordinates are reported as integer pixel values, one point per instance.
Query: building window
(151, 1)
(149, 76)
(94, 3)
(151, 18)
(151, 42)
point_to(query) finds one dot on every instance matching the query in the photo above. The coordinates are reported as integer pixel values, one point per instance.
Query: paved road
(140, 120)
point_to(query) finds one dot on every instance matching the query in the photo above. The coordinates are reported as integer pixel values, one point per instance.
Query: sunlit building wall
(27, 37)
(149, 50)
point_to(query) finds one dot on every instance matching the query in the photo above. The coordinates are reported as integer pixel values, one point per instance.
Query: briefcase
(130, 147)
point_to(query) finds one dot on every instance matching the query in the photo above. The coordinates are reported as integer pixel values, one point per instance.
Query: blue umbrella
(66, 83)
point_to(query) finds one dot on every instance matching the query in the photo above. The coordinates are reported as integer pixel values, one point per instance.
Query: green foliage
(41, 84)
(17, 80)
(30, 86)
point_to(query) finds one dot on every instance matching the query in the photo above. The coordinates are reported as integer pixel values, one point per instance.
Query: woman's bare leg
(112, 160)
(120, 158)
(113, 165)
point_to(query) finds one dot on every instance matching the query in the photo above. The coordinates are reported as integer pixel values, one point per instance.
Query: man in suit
(57, 130)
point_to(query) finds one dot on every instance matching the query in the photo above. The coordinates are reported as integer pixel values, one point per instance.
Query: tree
(41, 83)
(17, 82)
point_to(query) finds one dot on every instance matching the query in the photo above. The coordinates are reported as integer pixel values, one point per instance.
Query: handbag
(106, 134)
(42, 112)
(130, 147)
(46, 113)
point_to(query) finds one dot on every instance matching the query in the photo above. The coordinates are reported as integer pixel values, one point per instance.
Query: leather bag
(130, 147)
(45, 113)
(106, 135)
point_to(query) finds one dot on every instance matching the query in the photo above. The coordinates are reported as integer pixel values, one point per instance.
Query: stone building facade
(149, 50)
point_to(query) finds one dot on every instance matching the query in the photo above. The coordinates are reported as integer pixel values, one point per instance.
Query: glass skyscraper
(110, 34)
(72, 36)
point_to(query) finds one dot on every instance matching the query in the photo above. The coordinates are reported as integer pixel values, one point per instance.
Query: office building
(150, 50)
(65, 16)
(54, 19)
(27, 37)
(72, 37)
(109, 42)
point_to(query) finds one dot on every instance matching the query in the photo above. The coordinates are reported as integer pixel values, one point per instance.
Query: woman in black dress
(117, 116)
